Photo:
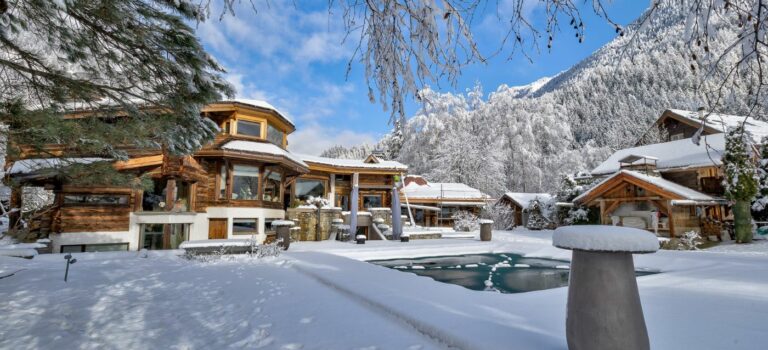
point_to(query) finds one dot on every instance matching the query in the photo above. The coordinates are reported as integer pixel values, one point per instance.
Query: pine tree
(536, 220)
(741, 180)
(132, 70)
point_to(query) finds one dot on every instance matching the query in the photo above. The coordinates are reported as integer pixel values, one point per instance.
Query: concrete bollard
(486, 229)
(360, 239)
(283, 231)
(604, 310)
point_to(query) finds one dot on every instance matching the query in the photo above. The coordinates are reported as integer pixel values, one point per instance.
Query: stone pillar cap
(602, 238)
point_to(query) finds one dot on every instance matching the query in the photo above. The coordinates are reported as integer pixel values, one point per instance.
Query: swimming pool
(502, 272)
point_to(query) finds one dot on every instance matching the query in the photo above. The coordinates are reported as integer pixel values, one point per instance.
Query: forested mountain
(526, 138)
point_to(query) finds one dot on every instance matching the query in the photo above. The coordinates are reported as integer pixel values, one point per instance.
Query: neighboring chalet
(518, 204)
(670, 187)
(233, 187)
(433, 204)
(676, 124)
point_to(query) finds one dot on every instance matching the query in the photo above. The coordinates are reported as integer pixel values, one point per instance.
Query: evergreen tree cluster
(132, 72)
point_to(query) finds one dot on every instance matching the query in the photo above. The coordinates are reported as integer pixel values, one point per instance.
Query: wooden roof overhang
(348, 170)
(668, 114)
(280, 160)
(597, 193)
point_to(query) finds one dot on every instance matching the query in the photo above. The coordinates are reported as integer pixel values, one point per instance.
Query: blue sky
(293, 55)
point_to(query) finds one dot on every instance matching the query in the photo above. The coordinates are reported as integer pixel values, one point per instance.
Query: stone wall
(306, 219)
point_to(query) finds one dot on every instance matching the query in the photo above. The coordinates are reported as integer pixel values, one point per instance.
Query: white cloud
(314, 138)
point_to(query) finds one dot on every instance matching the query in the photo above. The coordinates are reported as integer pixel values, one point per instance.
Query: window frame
(261, 123)
(246, 233)
(265, 180)
(123, 196)
(295, 194)
(83, 247)
(270, 128)
(231, 187)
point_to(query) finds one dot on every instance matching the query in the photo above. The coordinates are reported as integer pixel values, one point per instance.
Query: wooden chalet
(233, 187)
(432, 204)
(518, 203)
(670, 187)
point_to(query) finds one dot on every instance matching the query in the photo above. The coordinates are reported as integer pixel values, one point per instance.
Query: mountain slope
(525, 138)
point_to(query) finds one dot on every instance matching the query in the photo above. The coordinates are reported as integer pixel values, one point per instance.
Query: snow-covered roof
(354, 163)
(259, 104)
(443, 191)
(262, 148)
(722, 122)
(669, 186)
(26, 166)
(671, 155)
(524, 199)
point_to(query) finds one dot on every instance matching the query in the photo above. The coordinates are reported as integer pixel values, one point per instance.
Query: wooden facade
(632, 199)
(236, 184)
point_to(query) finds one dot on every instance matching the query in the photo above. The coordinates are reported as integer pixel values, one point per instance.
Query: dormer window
(247, 128)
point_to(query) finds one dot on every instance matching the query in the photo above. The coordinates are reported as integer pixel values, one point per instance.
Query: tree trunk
(742, 217)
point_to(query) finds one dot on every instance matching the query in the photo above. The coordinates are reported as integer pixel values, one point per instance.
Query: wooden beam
(139, 162)
(629, 199)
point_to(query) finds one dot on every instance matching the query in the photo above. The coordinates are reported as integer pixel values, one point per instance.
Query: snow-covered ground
(324, 296)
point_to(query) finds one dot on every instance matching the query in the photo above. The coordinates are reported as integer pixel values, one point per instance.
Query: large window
(272, 184)
(274, 135)
(306, 188)
(245, 226)
(248, 128)
(245, 182)
(372, 201)
(95, 199)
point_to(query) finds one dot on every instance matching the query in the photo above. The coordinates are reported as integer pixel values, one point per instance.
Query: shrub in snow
(464, 221)
(690, 241)
(536, 220)
(223, 253)
(318, 202)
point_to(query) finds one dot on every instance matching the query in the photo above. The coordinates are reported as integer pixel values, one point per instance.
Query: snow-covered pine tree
(536, 219)
(741, 180)
(760, 204)
(134, 69)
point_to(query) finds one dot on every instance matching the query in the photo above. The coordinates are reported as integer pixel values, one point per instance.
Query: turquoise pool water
(504, 272)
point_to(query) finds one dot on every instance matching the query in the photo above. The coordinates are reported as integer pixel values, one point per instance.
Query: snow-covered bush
(503, 217)
(577, 216)
(464, 221)
(536, 219)
(318, 202)
(258, 251)
(690, 241)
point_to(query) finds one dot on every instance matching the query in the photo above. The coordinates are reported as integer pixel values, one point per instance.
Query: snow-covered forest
(526, 138)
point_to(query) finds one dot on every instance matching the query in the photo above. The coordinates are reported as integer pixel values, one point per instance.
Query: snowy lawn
(323, 296)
